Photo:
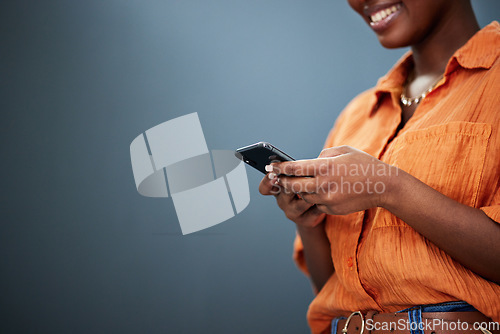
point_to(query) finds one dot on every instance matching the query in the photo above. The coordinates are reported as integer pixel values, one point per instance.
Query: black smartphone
(260, 154)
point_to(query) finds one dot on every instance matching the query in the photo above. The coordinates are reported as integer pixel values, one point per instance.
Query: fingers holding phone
(269, 186)
(294, 207)
(260, 155)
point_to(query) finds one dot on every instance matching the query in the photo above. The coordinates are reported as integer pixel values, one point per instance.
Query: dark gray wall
(80, 250)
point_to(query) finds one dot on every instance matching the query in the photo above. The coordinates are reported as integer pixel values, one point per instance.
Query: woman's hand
(340, 181)
(303, 214)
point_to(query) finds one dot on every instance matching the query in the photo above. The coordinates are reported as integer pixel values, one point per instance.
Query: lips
(381, 15)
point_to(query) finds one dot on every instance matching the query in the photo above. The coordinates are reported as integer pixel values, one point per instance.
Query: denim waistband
(415, 313)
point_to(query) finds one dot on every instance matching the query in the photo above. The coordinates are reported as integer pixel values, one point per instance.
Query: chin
(388, 44)
(393, 41)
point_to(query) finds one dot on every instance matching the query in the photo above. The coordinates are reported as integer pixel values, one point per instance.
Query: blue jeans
(415, 314)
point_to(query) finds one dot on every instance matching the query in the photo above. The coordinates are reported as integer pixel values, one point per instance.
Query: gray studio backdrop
(80, 250)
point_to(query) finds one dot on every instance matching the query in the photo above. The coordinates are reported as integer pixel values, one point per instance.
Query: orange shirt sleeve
(298, 255)
(493, 210)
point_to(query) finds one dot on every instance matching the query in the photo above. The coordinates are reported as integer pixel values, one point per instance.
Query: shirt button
(350, 263)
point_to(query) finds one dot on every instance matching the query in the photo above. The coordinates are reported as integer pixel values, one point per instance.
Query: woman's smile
(382, 15)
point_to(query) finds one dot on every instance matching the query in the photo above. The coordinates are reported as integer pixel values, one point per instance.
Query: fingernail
(271, 176)
(269, 168)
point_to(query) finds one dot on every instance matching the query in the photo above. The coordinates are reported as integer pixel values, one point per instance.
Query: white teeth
(383, 13)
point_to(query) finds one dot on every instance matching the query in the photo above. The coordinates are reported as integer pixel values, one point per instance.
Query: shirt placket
(391, 107)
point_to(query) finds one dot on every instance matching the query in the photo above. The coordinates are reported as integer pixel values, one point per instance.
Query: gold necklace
(408, 101)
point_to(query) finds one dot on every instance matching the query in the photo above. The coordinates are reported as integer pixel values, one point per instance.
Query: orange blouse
(452, 143)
